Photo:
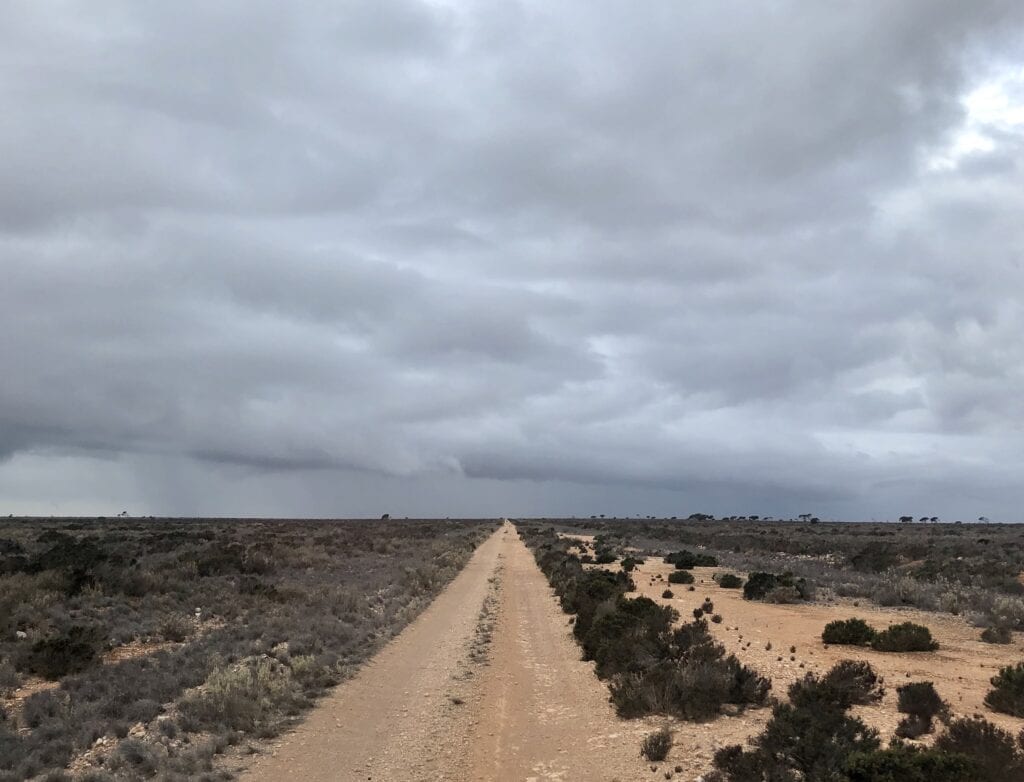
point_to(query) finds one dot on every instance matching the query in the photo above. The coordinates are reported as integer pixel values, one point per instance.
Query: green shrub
(685, 560)
(902, 763)
(997, 635)
(71, 650)
(913, 727)
(920, 699)
(904, 637)
(656, 746)
(848, 683)
(853, 632)
(629, 564)
(680, 577)
(604, 557)
(991, 749)
(784, 588)
(667, 594)
(1007, 693)
(730, 581)
(625, 634)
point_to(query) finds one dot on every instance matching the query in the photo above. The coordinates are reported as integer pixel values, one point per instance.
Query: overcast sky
(472, 258)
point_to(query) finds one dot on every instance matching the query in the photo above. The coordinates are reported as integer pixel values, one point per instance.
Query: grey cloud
(519, 258)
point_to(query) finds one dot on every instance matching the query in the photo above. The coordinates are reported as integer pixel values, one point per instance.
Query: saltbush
(903, 763)
(784, 588)
(997, 635)
(730, 581)
(71, 650)
(853, 632)
(1007, 693)
(992, 750)
(680, 577)
(685, 560)
(904, 637)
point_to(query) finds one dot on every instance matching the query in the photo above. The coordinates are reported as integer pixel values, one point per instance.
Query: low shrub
(685, 560)
(992, 750)
(997, 635)
(920, 699)
(902, 763)
(852, 632)
(241, 697)
(629, 564)
(604, 557)
(1007, 693)
(730, 581)
(680, 577)
(913, 727)
(135, 758)
(784, 588)
(848, 683)
(71, 650)
(667, 594)
(904, 637)
(655, 746)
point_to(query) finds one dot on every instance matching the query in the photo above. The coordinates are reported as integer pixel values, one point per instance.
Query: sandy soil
(960, 669)
(406, 715)
(545, 714)
(487, 684)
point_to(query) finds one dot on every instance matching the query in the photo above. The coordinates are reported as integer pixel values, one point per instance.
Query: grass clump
(655, 746)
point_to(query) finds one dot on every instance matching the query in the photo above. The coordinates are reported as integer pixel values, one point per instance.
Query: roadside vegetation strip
(652, 667)
(251, 622)
(970, 570)
(813, 737)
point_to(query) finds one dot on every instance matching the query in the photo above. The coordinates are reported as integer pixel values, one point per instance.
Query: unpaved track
(396, 719)
(546, 715)
(422, 709)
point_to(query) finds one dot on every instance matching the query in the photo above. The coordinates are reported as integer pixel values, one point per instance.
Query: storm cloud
(469, 258)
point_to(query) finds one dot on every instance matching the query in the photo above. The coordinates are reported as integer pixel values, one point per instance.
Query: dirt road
(486, 684)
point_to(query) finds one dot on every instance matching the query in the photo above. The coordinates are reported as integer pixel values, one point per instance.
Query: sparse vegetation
(195, 630)
(656, 746)
(651, 667)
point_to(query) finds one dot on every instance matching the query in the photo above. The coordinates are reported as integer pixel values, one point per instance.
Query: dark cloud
(512, 258)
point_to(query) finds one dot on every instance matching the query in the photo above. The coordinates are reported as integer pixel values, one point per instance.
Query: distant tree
(934, 519)
(804, 517)
(982, 518)
(906, 519)
(754, 518)
(385, 516)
